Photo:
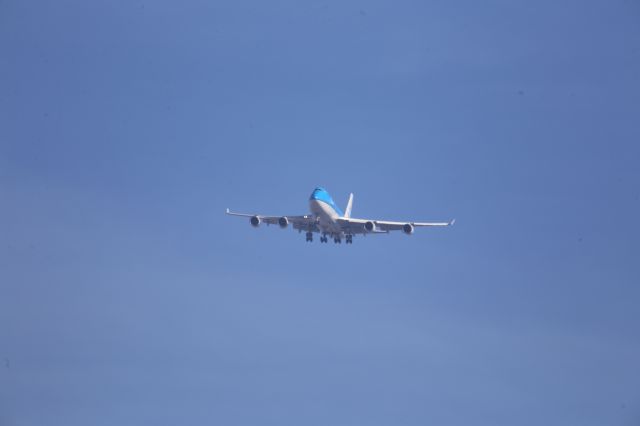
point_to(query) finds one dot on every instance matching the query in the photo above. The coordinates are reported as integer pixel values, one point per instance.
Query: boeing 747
(327, 219)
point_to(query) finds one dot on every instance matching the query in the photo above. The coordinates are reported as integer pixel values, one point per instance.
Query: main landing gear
(336, 238)
(348, 239)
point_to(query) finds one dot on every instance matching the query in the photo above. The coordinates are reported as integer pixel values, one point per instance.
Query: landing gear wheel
(349, 239)
(309, 237)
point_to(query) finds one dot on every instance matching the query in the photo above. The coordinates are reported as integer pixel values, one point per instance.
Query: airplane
(327, 219)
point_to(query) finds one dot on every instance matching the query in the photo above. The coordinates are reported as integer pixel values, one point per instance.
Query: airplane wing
(367, 226)
(303, 223)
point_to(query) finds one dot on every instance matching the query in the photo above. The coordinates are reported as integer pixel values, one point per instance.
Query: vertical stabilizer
(347, 212)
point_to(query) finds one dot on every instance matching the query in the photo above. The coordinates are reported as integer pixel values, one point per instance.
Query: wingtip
(227, 210)
(452, 222)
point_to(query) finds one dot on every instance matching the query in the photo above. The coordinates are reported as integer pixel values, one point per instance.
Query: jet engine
(407, 228)
(369, 226)
(283, 222)
(255, 221)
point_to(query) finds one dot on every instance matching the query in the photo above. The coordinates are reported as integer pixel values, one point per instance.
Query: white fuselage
(327, 216)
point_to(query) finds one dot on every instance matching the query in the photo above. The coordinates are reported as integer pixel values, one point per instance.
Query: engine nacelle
(283, 222)
(255, 221)
(369, 226)
(407, 228)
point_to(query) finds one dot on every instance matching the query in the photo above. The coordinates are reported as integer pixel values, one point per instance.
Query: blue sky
(126, 129)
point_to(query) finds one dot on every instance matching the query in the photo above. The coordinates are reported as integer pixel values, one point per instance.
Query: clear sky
(127, 296)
